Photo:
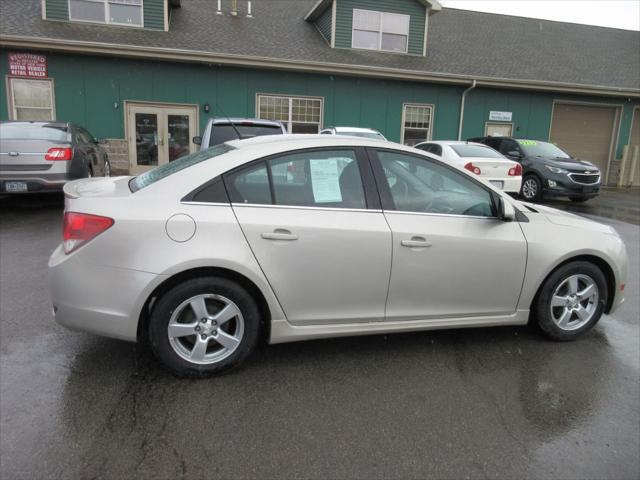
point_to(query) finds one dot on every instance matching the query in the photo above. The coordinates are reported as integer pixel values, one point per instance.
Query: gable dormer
(393, 26)
(148, 14)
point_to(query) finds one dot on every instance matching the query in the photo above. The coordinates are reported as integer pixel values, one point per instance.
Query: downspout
(464, 96)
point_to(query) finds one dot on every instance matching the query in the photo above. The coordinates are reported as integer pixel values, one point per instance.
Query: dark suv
(548, 170)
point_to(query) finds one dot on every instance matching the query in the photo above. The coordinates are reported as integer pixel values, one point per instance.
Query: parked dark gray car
(43, 156)
(548, 171)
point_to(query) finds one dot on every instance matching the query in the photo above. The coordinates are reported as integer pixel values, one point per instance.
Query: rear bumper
(34, 182)
(510, 184)
(98, 299)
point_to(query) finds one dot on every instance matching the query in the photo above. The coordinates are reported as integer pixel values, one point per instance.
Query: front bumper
(560, 185)
(98, 299)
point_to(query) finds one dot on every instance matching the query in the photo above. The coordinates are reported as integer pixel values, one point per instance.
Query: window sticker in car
(325, 180)
(527, 142)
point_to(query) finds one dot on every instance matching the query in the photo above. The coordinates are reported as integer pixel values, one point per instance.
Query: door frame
(615, 134)
(493, 122)
(159, 106)
(633, 117)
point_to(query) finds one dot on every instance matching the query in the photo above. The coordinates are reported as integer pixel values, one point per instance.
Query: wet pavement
(476, 403)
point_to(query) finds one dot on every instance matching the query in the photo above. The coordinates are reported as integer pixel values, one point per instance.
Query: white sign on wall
(500, 116)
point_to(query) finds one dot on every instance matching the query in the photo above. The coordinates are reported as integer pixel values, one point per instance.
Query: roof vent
(234, 11)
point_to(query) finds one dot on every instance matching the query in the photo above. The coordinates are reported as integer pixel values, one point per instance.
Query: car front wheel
(204, 326)
(571, 301)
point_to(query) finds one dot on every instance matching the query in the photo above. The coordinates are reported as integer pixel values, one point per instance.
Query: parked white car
(480, 160)
(205, 255)
(353, 132)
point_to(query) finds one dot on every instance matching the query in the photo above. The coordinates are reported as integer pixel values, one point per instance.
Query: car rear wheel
(531, 189)
(107, 168)
(204, 326)
(571, 301)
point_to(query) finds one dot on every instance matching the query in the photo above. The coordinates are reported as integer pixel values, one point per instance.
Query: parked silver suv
(220, 130)
(43, 156)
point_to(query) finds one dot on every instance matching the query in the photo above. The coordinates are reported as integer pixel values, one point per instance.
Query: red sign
(27, 65)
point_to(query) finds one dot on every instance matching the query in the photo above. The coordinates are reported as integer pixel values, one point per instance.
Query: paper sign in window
(325, 181)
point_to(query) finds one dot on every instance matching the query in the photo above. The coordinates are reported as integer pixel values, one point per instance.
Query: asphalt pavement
(473, 403)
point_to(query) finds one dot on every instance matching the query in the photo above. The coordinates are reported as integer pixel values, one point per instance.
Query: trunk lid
(28, 155)
(491, 167)
(98, 187)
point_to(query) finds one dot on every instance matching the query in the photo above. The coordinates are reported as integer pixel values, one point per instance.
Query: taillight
(79, 228)
(516, 171)
(472, 168)
(57, 153)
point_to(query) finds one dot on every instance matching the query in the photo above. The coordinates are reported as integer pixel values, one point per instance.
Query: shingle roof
(460, 43)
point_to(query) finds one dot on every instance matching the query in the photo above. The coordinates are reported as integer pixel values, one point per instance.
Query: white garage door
(585, 132)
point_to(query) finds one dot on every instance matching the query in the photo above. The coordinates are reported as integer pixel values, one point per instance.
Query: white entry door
(159, 134)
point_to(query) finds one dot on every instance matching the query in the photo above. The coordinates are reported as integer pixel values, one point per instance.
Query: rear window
(224, 132)
(163, 171)
(466, 151)
(30, 131)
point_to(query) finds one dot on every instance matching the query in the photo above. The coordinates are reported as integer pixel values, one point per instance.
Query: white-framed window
(417, 120)
(31, 99)
(117, 12)
(388, 32)
(298, 114)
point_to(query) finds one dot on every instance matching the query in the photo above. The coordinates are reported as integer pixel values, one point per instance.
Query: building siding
(324, 24)
(153, 14)
(417, 11)
(57, 9)
(91, 91)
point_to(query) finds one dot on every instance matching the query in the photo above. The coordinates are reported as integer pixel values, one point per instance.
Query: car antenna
(235, 129)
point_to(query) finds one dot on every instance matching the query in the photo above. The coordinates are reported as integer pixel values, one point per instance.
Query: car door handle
(279, 234)
(416, 242)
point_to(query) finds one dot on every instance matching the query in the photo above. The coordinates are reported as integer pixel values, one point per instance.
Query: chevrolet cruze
(301, 237)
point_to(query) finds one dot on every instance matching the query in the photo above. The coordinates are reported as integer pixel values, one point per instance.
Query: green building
(149, 73)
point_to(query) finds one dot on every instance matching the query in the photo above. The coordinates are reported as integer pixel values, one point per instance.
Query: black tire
(531, 192)
(172, 299)
(578, 199)
(542, 303)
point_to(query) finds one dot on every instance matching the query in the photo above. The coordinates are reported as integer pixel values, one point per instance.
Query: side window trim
(191, 196)
(385, 192)
(367, 177)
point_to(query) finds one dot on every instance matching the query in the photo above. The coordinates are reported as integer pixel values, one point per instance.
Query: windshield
(34, 131)
(224, 132)
(465, 151)
(163, 171)
(374, 135)
(534, 148)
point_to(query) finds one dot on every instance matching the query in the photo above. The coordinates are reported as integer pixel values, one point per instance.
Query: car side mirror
(197, 140)
(506, 212)
(514, 154)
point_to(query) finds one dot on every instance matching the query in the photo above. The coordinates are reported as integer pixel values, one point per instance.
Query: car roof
(238, 120)
(286, 142)
(38, 122)
(353, 129)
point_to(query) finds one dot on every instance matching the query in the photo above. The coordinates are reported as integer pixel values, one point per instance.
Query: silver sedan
(301, 237)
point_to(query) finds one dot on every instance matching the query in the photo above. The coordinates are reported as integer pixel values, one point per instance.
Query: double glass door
(159, 134)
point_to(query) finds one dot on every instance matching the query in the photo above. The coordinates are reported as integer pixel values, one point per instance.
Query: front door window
(159, 134)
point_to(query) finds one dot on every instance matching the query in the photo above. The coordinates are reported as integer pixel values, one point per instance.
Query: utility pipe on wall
(464, 97)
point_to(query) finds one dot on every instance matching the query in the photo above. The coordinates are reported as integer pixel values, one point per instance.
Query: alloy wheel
(206, 329)
(529, 188)
(574, 302)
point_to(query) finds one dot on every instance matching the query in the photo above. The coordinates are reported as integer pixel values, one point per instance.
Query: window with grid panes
(298, 114)
(31, 99)
(118, 12)
(416, 125)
